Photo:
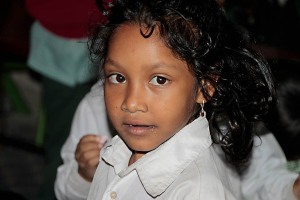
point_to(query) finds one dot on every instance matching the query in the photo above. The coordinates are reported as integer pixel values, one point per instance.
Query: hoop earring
(202, 112)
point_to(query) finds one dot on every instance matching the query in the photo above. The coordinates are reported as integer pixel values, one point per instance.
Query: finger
(87, 148)
(87, 169)
(86, 157)
(90, 138)
(90, 142)
(103, 139)
(92, 163)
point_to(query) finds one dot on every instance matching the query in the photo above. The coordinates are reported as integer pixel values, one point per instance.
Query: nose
(135, 99)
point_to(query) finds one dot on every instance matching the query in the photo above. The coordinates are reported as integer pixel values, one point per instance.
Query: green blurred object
(10, 88)
(16, 99)
(14, 48)
(294, 166)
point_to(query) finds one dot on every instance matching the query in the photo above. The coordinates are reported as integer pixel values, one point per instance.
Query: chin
(142, 148)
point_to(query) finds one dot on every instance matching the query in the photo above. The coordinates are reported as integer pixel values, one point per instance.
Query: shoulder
(204, 178)
(94, 98)
(90, 114)
(96, 93)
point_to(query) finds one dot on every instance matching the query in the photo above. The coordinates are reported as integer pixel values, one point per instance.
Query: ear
(200, 98)
(206, 86)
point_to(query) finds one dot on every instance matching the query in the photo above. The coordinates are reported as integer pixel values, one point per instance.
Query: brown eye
(159, 80)
(117, 78)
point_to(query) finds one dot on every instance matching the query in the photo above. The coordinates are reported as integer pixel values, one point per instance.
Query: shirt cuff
(78, 185)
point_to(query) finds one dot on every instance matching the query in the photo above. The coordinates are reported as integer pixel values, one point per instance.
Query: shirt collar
(160, 167)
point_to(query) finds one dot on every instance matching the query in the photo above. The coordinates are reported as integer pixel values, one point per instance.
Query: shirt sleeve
(90, 118)
(267, 177)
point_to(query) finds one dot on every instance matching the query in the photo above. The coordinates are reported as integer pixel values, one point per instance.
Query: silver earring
(202, 112)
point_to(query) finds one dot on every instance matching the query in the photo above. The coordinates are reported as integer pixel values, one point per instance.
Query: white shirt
(266, 179)
(267, 176)
(184, 167)
(90, 118)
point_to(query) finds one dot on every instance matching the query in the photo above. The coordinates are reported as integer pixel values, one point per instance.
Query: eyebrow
(156, 65)
(112, 62)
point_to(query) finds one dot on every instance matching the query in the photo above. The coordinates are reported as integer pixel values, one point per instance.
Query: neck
(135, 156)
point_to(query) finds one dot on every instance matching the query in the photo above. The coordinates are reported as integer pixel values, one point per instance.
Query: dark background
(273, 25)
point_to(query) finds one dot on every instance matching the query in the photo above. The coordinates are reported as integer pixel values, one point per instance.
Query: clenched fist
(87, 155)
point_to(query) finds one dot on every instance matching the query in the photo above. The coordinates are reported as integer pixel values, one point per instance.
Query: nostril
(135, 99)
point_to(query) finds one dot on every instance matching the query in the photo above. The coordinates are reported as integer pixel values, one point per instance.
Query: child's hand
(297, 188)
(87, 155)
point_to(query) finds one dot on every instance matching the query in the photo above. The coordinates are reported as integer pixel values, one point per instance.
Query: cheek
(113, 113)
(176, 113)
(111, 102)
(179, 104)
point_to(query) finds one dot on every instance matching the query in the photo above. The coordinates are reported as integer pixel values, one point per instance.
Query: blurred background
(21, 155)
(274, 25)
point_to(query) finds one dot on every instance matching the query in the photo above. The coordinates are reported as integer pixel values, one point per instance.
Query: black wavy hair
(198, 32)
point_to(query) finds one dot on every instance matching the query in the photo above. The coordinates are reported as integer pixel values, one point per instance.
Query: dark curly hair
(198, 32)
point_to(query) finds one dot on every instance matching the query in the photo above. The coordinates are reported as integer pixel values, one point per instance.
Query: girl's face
(149, 94)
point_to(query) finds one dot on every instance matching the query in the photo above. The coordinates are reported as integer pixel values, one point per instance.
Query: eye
(116, 78)
(159, 80)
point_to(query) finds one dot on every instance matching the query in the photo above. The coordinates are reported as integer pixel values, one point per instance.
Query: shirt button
(113, 195)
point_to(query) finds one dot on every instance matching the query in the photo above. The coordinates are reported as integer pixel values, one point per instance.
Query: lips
(138, 129)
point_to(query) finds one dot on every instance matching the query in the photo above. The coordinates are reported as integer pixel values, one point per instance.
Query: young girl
(164, 64)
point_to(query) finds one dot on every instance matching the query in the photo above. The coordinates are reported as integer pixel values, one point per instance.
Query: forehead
(127, 41)
(133, 33)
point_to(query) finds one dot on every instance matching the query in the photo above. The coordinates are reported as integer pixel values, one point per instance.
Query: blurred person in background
(284, 122)
(59, 53)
